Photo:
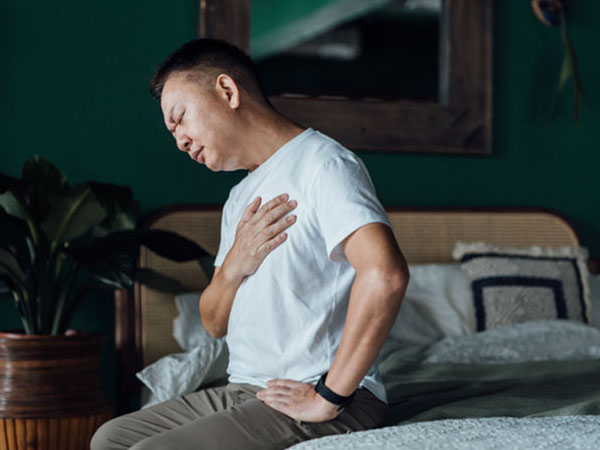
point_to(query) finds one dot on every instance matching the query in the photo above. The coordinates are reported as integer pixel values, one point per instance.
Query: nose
(184, 143)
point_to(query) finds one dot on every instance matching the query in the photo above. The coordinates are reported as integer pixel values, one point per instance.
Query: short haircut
(208, 58)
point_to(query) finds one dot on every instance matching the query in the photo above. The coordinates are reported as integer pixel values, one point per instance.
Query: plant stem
(62, 299)
(21, 307)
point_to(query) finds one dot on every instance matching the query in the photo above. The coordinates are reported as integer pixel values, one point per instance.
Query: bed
(459, 373)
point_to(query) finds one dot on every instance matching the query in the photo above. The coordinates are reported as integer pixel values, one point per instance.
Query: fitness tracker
(331, 396)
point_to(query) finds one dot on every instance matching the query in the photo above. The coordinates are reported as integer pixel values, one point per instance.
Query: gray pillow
(594, 282)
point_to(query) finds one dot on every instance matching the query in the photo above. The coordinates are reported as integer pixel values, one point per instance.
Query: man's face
(200, 121)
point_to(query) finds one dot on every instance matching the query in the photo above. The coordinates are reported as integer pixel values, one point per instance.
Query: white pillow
(436, 305)
(204, 360)
(188, 330)
(182, 373)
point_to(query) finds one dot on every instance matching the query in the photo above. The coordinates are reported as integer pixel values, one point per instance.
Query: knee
(101, 440)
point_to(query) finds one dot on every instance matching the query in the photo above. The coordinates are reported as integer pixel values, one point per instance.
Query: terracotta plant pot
(50, 395)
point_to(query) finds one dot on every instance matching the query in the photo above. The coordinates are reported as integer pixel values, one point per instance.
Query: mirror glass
(361, 49)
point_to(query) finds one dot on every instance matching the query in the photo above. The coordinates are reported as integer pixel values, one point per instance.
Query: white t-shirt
(287, 318)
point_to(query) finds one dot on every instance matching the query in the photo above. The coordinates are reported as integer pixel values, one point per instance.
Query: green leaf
(43, 173)
(7, 285)
(126, 220)
(44, 180)
(111, 259)
(72, 215)
(171, 245)
(11, 205)
(121, 209)
(9, 266)
(114, 199)
(8, 183)
(14, 236)
(158, 281)
(566, 71)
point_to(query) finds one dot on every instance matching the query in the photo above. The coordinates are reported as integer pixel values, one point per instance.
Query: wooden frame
(459, 122)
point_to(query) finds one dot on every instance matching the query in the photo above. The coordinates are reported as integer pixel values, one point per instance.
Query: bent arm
(377, 292)
(216, 301)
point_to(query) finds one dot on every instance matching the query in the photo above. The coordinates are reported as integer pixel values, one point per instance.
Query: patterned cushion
(513, 285)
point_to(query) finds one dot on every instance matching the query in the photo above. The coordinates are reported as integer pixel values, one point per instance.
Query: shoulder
(325, 150)
(326, 157)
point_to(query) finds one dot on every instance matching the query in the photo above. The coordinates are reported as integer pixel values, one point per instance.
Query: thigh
(122, 432)
(252, 425)
(365, 412)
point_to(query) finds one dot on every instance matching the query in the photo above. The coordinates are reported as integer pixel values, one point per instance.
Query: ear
(228, 90)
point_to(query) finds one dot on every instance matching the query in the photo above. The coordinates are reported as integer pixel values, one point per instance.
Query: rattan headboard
(424, 236)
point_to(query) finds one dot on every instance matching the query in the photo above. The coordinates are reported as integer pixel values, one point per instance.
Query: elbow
(217, 333)
(211, 323)
(394, 282)
(214, 329)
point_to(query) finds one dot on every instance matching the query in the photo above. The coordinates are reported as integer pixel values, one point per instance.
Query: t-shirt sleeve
(345, 200)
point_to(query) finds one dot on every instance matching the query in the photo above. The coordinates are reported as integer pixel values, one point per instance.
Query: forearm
(374, 304)
(217, 299)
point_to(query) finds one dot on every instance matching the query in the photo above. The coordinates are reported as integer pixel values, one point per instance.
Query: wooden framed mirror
(459, 121)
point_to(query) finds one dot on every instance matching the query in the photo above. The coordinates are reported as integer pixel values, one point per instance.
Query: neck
(266, 132)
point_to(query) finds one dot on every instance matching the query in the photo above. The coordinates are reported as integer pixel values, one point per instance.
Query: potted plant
(57, 244)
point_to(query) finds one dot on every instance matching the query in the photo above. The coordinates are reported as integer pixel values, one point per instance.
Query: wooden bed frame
(144, 318)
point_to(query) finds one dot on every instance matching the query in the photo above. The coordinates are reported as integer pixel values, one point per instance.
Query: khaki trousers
(227, 418)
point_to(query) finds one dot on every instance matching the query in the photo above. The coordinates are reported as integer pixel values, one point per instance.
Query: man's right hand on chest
(260, 231)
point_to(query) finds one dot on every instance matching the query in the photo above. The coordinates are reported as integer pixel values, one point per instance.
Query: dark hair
(209, 57)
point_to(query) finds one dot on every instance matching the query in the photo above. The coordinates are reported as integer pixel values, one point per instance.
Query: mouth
(196, 155)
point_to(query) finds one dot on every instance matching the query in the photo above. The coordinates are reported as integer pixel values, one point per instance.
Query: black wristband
(331, 396)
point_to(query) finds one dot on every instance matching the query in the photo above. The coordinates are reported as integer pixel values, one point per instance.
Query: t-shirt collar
(278, 154)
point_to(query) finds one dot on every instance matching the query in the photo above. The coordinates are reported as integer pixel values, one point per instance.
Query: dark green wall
(74, 89)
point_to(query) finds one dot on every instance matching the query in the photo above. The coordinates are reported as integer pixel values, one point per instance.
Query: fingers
(274, 209)
(250, 210)
(284, 383)
(276, 228)
(267, 247)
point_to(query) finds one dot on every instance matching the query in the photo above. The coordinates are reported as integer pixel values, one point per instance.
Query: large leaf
(44, 173)
(111, 259)
(10, 267)
(171, 245)
(72, 214)
(44, 180)
(121, 209)
(7, 285)
(12, 206)
(8, 183)
(114, 199)
(14, 236)
(158, 281)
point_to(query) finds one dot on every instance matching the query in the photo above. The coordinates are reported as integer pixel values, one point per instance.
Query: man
(308, 278)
